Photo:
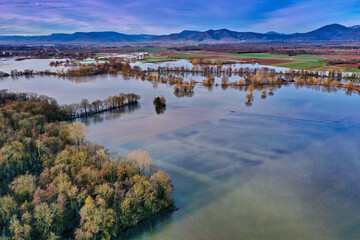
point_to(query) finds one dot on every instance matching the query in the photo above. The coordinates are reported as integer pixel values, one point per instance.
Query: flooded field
(288, 167)
(9, 64)
(188, 64)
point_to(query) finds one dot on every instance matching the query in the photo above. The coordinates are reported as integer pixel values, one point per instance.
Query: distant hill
(333, 32)
(330, 33)
(175, 36)
(221, 35)
(276, 33)
(78, 38)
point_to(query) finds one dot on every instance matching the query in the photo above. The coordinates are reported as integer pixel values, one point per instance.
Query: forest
(55, 184)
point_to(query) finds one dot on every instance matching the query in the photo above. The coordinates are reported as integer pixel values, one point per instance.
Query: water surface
(287, 167)
(9, 64)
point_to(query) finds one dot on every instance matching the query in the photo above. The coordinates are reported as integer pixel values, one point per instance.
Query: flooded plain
(9, 64)
(288, 167)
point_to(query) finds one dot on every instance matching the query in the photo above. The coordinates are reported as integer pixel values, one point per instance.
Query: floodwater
(187, 64)
(8, 64)
(288, 167)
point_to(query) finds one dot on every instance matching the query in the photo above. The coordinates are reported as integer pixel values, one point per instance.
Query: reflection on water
(187, 64)
(160, 109)
(285, 168)
(149, 225)
(110, 114)
(245, 176)
(184, 94)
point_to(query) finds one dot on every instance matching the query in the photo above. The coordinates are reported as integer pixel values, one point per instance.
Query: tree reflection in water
(111, 114)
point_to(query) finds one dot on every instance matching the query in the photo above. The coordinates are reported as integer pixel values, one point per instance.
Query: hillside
(333, 32)
(78, 38)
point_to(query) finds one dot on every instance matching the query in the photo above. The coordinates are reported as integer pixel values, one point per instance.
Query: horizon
(110, 31)
(159, 17)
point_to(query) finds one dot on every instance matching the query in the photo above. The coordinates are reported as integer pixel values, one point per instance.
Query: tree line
(114, 66)
(72, 111)
(86, 108)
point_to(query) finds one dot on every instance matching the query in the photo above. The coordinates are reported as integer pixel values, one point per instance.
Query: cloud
(67, 17)
(162, 16)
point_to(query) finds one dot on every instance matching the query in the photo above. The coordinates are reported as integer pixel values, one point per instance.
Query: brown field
(302, 56)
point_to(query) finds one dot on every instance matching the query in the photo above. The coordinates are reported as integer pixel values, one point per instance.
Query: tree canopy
(55, 184)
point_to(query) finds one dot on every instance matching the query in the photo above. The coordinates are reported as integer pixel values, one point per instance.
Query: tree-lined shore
(55, 184)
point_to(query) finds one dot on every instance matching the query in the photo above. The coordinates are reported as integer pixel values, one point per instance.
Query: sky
(40, 17)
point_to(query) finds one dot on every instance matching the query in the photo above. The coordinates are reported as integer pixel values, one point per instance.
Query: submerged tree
(160, 104)
(263, 94)
(271, 91)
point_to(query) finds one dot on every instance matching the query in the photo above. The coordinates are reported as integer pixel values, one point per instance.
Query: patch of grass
(301, 64)
(352, 70)
(299, 61)
(154, 60)
(336, 69)
(326, 68)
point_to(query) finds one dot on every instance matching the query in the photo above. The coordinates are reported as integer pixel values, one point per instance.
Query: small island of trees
(160, 104)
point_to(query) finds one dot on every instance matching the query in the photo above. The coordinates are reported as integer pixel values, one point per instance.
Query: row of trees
(52, 111)
(78, 52)
(229, 68)
(65, 63)
(110, 67)
(268, 78)
(185, 89)
(200, 61)
(262, 77)
(86, 108)
(324, 85)
(54, 184)
(113, 66)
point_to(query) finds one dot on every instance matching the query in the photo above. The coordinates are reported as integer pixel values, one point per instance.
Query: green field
(301, 64)
(300, 61)
(154, 59)
(352, 70)
(336, 69)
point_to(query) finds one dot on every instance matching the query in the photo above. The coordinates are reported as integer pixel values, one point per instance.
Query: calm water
(8, 64)
(280, 169)
(187, 64)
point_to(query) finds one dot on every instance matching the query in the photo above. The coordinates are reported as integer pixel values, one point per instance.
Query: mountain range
(333, 32)
(78, 38)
